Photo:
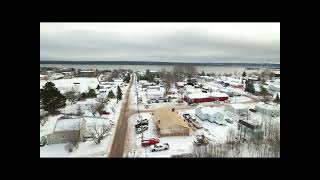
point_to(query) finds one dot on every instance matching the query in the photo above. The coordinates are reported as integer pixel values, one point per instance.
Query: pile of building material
(169, 123)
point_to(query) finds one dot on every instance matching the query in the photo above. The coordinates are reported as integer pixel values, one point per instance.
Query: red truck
(149, 142)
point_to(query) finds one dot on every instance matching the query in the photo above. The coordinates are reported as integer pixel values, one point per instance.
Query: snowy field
(66, 84)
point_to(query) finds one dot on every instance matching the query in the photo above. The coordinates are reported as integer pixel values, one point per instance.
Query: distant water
(206, 69)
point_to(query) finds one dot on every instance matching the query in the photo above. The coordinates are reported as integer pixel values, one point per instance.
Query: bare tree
(100, 107)
(180, 91)
(79, 112)
(43, 118)
(167, 86)
(93, 109)
(190, 70)
(98, 133)
(211, 150)
(71, 96)
(231, 138)
(178, 73)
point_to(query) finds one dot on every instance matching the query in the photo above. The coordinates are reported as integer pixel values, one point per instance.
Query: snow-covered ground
(178, 144)
(88, 148)
(213, 131)
(66, 84)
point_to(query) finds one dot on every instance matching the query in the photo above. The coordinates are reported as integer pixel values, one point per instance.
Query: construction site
(169, 123)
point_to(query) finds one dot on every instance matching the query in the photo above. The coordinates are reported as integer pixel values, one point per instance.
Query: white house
(268, 109)
(210, 114)
(155, 93)
(154, 87)
(180, 84)
(43, 77)
(57, 76)
(237, 108)
(274, 87)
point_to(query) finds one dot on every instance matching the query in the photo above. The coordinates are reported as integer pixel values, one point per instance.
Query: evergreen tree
(83, 95)
(249, 87)
(244, 74)
(51, 98)
(259, 79)
(111, 94)
(202, 73)
(277, 99)
(263, 91)
(91, 94)
(98, 87)
(127, 78)
(119, 94)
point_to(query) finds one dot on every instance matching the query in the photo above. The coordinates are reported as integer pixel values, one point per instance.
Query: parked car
(143, 120)
(105, 112)
(43, 141)
(252, 110)
(159, 147)
(229, 120)
(149, 142)
(143, 123)
(201, 140)
(141, 129)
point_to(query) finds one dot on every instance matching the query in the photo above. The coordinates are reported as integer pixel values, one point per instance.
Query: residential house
(67, 130)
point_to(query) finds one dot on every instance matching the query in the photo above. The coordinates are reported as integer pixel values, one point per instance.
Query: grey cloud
(187, 45)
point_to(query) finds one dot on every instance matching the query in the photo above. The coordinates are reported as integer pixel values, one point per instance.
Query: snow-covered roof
(267, 106)
(155, 91)
(67, 125)
(219, 94)
(210, 110)
(180, 83)
(206, 95)
(118, 80)
(238, 106)
(86, 71)
(198, 95)
(153, 87)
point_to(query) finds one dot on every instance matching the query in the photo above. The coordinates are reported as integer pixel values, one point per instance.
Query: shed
(210, 114)
(237, 108)
(67, 130)
(268, 109)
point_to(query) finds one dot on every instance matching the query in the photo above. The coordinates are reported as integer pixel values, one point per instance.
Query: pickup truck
(159, 147)
(141, 124)
(143, 120)
(149, 142)
(141, 129)
(228, 120)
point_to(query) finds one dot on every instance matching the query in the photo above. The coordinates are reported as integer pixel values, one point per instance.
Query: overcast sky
(181, 42)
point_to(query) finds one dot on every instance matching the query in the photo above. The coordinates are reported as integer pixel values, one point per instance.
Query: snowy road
(121, 131)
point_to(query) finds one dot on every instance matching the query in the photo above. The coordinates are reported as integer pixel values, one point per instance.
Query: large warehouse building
(205, 97)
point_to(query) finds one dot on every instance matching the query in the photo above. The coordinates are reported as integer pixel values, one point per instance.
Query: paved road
(121, 131)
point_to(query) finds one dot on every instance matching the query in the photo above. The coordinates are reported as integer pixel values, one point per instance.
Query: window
(63, 136)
